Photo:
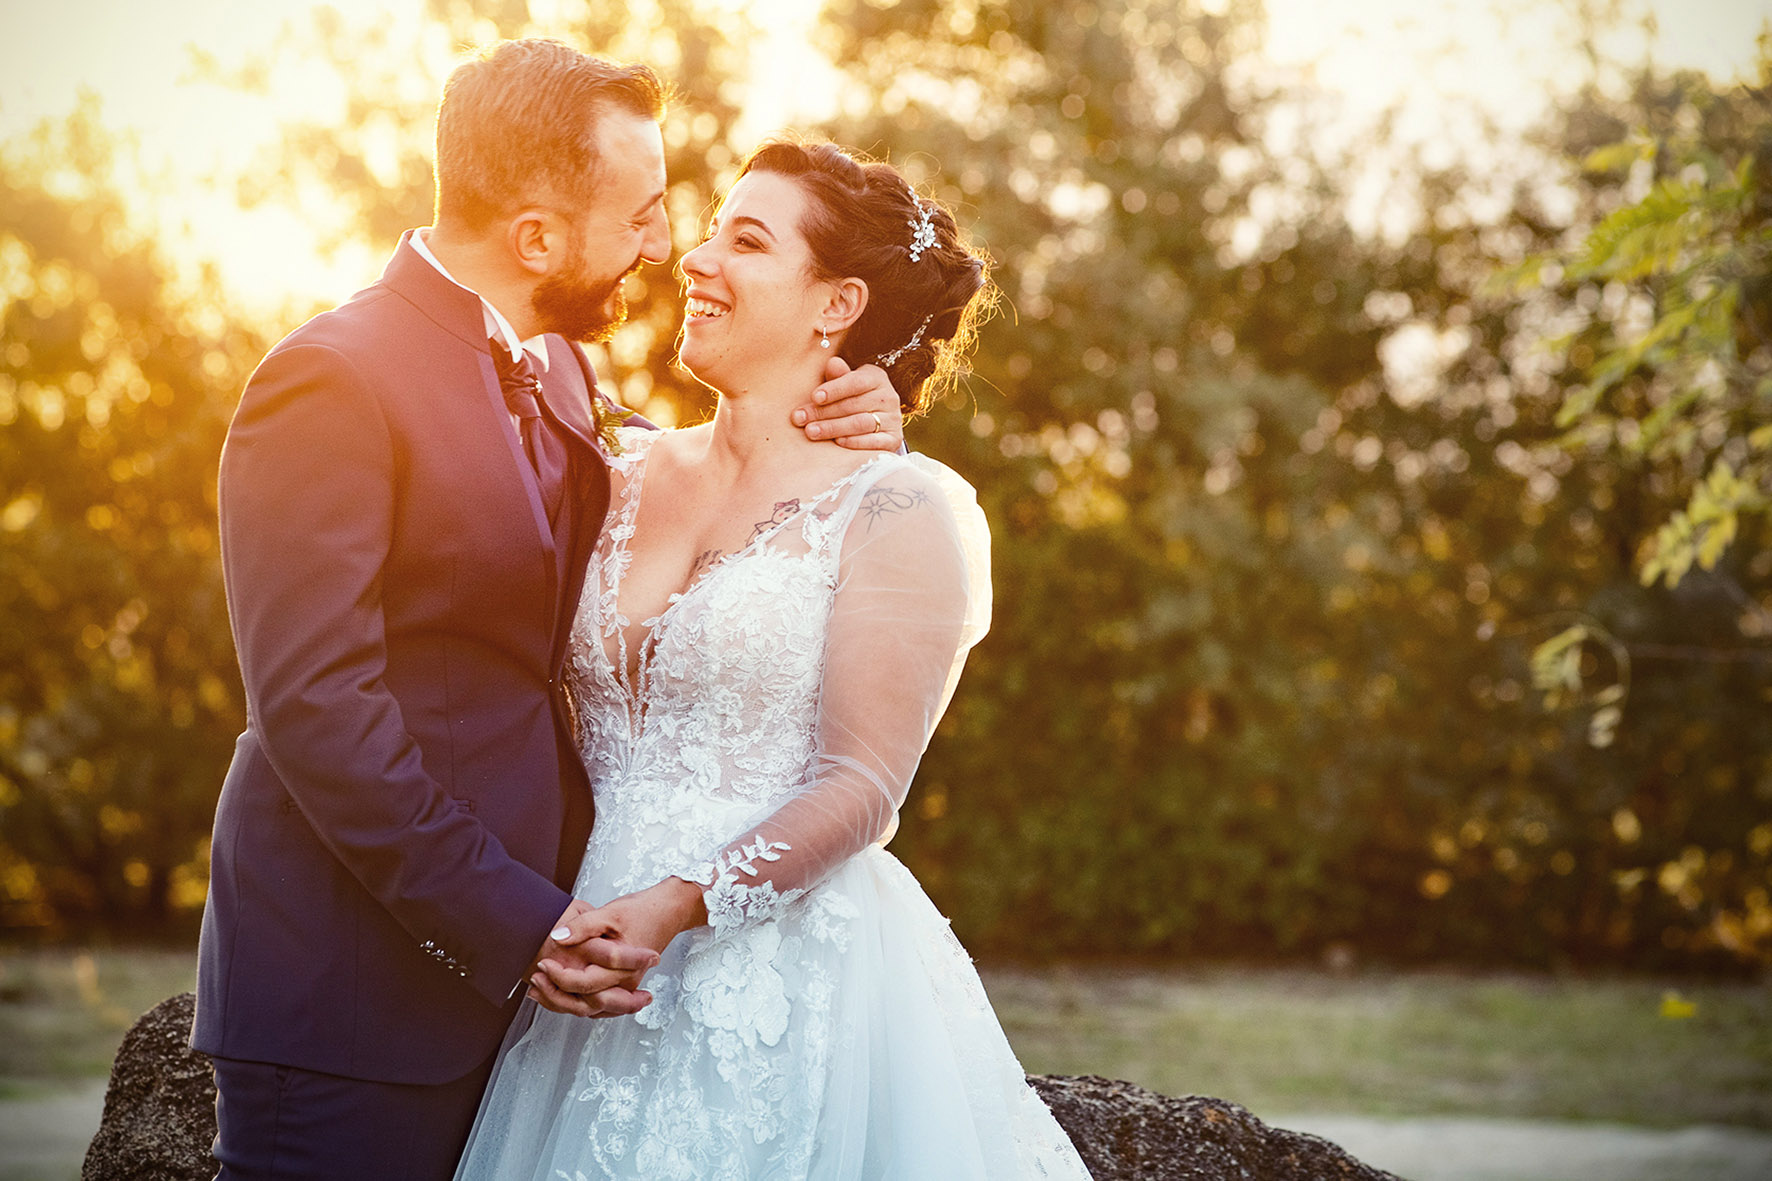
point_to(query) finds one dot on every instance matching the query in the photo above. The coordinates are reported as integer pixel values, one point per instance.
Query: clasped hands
(596, 956)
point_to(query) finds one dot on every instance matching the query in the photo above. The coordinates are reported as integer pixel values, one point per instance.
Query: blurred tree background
(118, 701)
(1401, 593)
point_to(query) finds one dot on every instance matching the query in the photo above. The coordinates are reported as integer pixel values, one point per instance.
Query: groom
(409, 494)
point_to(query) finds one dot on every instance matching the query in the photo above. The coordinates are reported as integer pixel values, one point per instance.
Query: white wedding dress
(826, 1024)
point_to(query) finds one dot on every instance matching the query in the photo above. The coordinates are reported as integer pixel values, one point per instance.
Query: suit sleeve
(308, 478)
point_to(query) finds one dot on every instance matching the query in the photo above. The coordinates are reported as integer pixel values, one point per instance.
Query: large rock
(1124, 1132)
(160, 1120)
(159, 1116)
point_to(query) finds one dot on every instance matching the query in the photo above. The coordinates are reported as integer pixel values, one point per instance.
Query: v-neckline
(629, 670)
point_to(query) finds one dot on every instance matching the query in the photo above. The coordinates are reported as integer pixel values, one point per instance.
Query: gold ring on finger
(875, 415)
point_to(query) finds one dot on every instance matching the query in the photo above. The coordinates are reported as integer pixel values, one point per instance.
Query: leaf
(1602, 727)
(1619, 156)
(1556, 665)
(1524, 276)
(1716, 541)
(1578, 403)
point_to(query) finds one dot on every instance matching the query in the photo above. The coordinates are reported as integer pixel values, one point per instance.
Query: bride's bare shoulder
(680, 442)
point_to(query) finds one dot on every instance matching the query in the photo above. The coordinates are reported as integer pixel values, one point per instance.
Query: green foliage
(1704, 529)
(1259, 678)
(1667, 278)
(118, 693)
(1690, 379)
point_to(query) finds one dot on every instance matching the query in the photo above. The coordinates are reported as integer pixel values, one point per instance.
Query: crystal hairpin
(887, 360)
(922, 228)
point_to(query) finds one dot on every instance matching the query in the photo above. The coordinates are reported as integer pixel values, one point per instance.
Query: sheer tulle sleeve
(913, 596)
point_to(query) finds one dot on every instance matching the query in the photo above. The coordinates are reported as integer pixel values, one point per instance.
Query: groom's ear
(848, 299)
(537, 240)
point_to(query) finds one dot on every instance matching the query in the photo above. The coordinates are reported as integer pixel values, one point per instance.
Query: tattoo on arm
(880, 502)
(783, 510)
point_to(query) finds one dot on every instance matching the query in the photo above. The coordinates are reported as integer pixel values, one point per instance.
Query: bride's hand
(648, 918)
(586, 970)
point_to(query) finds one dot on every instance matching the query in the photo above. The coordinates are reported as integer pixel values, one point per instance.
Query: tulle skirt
(848, 1039)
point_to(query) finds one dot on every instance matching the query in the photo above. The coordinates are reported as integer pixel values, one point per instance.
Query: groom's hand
(857, 409)
(586, 970)
(647, 918)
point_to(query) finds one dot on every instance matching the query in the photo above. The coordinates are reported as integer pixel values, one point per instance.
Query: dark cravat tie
(547, 454)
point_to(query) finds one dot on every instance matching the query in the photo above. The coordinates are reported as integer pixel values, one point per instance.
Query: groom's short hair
(518, 125)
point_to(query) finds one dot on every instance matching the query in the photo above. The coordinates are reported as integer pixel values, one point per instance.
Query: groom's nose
(655, 247)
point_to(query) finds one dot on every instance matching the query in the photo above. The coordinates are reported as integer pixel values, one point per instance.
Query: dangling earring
(824, 338)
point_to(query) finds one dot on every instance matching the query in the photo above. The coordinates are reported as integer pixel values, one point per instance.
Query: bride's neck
(752, 430)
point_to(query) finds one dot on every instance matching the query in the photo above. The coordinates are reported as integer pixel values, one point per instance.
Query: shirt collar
(497, 327)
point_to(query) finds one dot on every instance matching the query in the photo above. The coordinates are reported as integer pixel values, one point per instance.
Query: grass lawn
(64, 1013)
(1412, 1044)
(1278, 1042)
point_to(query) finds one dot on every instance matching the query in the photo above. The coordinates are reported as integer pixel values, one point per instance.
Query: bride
(769, 632)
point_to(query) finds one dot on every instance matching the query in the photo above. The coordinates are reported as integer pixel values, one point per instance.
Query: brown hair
(519, 124)
(862, 222)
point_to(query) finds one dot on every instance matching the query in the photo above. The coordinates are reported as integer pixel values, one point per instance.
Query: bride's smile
(754, 310)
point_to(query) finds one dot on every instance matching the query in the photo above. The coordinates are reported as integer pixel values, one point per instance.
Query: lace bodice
(770, 722)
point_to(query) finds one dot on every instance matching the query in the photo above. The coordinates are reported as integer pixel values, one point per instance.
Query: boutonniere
(606, 416)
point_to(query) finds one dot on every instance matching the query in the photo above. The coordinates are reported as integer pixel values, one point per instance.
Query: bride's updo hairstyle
(863, 221)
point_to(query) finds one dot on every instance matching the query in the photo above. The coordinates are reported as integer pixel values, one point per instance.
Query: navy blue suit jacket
(406, 803)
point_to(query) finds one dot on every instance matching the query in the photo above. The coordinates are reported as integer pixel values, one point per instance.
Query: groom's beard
(581, 309)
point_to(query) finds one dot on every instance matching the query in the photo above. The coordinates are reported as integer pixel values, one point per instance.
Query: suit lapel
(567, 390)
(457, 311)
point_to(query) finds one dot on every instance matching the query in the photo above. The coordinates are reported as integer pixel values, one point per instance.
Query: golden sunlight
(1441, 63)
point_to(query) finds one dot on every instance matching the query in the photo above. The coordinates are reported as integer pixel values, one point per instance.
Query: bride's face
(752, 303)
